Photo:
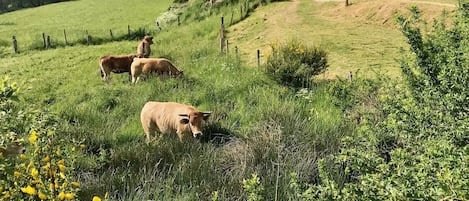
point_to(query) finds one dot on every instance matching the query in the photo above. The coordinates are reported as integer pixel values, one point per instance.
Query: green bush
(418, 149)
(294, 64)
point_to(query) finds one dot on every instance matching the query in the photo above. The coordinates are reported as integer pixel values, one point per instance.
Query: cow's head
(148, 39)
(194, 119)
(177, 74)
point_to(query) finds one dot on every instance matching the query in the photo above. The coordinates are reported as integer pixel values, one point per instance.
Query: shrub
(294, 64)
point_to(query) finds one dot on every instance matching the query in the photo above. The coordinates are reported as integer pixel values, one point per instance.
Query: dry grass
(362, 37)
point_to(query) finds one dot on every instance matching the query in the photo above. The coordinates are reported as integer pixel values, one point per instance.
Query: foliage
(254, 187)
(12, 5)
(294, 64)
(43, 172)
(419, 148)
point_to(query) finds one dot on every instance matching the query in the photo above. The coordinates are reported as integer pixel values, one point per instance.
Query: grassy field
(257, 125)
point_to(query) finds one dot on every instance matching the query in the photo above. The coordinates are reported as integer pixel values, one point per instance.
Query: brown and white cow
(170, 118)
(115, 64)
(160, 66)
(143, 48)
(12, 149)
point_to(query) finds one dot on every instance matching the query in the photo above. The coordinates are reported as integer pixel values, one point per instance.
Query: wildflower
(23, 156)
(75, 184)
(33, 137)
(42, 196)
(61, 162)
(29, 190)
(61, 168)
(17, 174)
(46, 159)
(34, 172)
(62, 175)
(96, 198)
(82, 146)
(69, 196)
(61, 195)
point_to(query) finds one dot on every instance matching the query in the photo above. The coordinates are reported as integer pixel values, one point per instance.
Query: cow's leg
(147, 129)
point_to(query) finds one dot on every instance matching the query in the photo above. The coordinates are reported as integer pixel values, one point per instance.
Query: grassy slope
(246, 105)
(362, 36)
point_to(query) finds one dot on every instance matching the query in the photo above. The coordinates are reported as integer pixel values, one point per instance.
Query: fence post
(350, 75)
(236, 51)
(65, 37)
(88, 38)
(15, 45)
(231, 20)
(227, 48)
(128, 31)
(222, 35)
(258, 58)
(48, 42)
(44, 39)
(110, 33)
(179, 21)
(346, 3)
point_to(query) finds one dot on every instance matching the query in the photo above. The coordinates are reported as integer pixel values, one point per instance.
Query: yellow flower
(62, 175)
(82, 146)
(6, 194)
(96, 198)
(34, 172)
(46, 167)
(61, 195)
(46, 159)
(69, 196)
(42, 196)
(75, 184)
(17, 174)
(62, 167)
(23, 156)
(29, 190)
(33, 137)
(64, 185)
(61, 162)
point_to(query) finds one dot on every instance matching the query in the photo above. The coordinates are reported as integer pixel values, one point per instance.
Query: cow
(115, 64)
(160, 66)
(12, 150)
(170, 118)
(143, 48)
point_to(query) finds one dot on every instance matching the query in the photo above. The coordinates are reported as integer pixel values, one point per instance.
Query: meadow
(258, 128)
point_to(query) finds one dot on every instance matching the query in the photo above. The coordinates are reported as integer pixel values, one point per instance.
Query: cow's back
(117, 63)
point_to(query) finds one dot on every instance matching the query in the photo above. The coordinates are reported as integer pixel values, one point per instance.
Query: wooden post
(88, 38)
(227, 49)
(346, 3)
(15, 45)
(350, 75)
(258, 58)
(48, 42)
(222, 35)
(128, 30)
(44, 39)
(236, 51)
(231, 20)
(110, 33)
(65, 37)
(179, 21)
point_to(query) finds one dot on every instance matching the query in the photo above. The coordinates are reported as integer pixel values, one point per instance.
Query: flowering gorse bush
(44, 171)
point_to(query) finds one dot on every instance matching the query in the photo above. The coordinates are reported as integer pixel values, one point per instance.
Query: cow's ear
(184, 121)
(206, 115)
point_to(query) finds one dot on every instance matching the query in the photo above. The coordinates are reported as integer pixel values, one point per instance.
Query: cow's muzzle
(197, 134)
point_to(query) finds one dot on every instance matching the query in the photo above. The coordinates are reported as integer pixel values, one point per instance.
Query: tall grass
(257, 126)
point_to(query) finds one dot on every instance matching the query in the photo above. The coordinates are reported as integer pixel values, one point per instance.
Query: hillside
(361, 36)
(264, 140)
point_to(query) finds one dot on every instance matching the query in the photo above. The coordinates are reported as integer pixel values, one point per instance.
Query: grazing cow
(115, 64)
(159, 66)
(171, 117)
(143, 48)
(12, 149)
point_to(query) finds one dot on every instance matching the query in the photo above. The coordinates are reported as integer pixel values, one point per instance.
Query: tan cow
(143, 48)
(160, 66)
(170, 118)
(115, 64)
(12, 150)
